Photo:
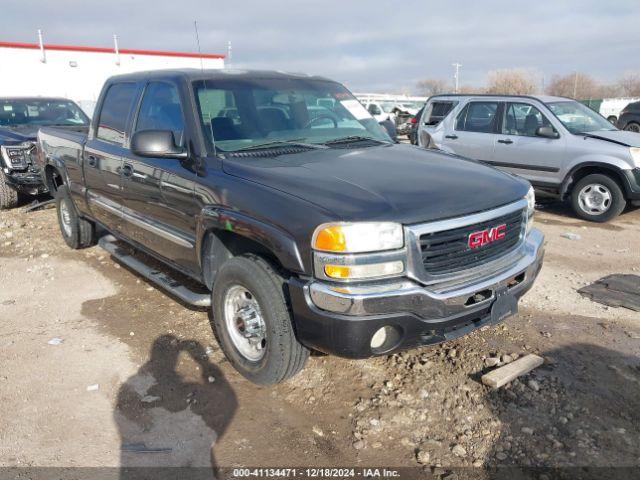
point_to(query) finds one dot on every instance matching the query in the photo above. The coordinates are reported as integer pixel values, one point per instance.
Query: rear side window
(478, 117)
(160, 110)
(437, 111)
(115, 111)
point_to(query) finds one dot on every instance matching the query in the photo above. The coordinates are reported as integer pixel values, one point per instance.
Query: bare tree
(513, 81)
(575, 85)
(629, 85)
(432, 86)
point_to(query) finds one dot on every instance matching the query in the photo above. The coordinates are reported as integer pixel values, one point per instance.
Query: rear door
(520, 151)
(103, 154)
(473, 132)
(159, 204)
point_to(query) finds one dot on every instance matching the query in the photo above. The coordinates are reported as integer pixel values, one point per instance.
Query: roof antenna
(195, 26)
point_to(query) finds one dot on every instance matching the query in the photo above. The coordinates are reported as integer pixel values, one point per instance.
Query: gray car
(561, 146)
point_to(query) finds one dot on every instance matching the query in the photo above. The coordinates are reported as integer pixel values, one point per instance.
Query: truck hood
(621, 137)
(18, 134)
(395, 182)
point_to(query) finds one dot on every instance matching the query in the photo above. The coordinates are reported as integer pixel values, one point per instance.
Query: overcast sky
(368, 45)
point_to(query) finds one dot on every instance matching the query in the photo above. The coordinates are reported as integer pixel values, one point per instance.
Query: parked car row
(305, 225)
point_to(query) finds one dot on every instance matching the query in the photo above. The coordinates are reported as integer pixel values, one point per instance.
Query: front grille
(448, 251)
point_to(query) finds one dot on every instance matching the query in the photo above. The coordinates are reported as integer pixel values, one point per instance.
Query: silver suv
(561, 146)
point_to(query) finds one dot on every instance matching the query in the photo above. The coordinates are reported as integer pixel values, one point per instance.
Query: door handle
(127, 170)
(506, 142)
(452, 137)
(92, 161)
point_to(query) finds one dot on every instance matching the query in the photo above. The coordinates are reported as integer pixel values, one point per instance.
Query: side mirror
(156, 143)
(546, 132)
(390, 128)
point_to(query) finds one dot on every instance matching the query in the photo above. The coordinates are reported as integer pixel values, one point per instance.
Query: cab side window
(160, 110)
(478, 117)
(523, 119)
(116, 107)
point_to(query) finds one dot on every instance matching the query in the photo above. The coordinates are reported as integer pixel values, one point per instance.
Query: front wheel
(597, 198)
(632, 127)
(253, 322)
(76, 231)
(8, 196)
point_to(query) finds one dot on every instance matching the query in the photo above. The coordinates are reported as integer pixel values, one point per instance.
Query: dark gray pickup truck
(20, 119)
(282, 196)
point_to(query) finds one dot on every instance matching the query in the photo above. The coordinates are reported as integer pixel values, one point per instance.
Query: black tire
(616, 204)
(8, 196)
(283, 355)
(632, 127)
(76, 231)
(613, 119)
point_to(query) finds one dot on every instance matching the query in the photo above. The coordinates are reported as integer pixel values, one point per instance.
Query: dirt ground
(98, 368)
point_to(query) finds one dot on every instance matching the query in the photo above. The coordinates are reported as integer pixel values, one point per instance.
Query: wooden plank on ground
(500, 376)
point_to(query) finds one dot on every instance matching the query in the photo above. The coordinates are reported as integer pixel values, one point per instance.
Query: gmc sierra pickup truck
(20, 119)
(284, 198)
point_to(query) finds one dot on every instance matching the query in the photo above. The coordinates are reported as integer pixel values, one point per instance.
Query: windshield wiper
(352, 139)
(296, 142)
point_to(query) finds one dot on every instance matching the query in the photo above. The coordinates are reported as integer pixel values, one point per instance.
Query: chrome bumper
(434, 302)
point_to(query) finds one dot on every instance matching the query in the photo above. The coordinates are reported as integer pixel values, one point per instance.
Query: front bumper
(632, 179)
(28, 181)
(341, 320)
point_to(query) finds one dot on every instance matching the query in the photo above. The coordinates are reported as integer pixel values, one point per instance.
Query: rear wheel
(77, 232)
(632, 127)
(253, 322)
(597, 198)
(8, 196)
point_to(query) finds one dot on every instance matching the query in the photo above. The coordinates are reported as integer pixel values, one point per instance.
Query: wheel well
(53, 178)
(582, 172)
(221, 245)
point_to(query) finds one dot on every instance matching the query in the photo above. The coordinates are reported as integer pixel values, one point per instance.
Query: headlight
(531, 206)
(16, 156)
(359, 272)
(358, 237)
(635, 155)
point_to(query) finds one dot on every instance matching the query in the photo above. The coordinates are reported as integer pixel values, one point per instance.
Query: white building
(78, 72)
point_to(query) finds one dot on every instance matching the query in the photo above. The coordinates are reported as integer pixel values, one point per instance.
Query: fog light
(379, 338)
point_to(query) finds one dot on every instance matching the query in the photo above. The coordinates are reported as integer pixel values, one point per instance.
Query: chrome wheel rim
(245, 323)
(633, 128)
(65, 218)
(595, 199)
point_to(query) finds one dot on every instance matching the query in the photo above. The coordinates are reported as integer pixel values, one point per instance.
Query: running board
(161, 279)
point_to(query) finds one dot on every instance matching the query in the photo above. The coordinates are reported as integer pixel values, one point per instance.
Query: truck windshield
(16, 112)
(239, 114)
(578, 118)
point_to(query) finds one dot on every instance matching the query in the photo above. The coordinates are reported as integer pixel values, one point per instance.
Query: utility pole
(456, 75)
(229, 52)
(116, 48)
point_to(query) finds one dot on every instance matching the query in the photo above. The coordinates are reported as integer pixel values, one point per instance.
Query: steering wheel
(322, 115)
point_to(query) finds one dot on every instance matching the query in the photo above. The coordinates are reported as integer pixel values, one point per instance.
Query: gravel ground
(138, 379)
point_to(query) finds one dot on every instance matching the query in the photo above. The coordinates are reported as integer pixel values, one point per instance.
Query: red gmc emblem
(484, 237)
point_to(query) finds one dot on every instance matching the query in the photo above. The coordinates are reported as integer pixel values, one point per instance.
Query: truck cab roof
(212, 74)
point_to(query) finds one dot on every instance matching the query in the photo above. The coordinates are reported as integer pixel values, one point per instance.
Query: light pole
(456, 75)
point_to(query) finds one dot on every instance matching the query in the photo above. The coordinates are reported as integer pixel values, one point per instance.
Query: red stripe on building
(124, 51)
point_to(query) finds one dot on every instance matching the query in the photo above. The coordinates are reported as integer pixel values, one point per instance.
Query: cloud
(367, 45)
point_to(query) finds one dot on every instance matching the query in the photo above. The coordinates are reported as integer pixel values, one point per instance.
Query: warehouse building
(78, 72)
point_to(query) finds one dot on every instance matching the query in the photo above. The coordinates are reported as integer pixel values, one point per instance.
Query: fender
(280, 243)
(568, 179)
